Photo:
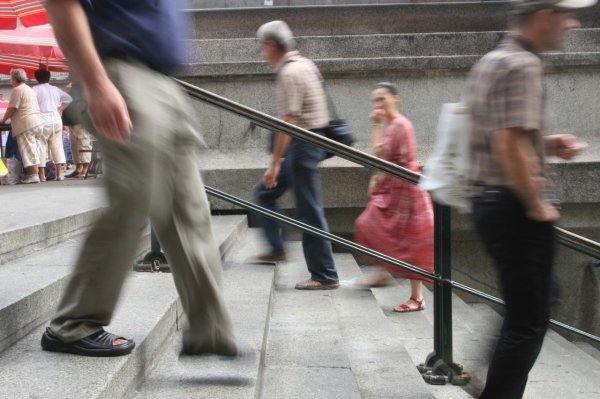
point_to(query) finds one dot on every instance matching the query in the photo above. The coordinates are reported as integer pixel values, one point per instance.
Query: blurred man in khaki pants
(121, 51)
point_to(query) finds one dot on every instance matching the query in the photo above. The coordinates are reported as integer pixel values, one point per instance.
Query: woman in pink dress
(398, 220)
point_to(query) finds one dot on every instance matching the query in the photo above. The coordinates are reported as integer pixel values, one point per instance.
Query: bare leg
(84, 169)
(60, 167)
(42, 173)
(32, 170)
(416, 290)
(416, 301)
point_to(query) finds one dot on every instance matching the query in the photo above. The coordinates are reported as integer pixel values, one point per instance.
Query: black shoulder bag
(338, 130)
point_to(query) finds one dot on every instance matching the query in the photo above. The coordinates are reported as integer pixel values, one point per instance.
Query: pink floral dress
(398, 220)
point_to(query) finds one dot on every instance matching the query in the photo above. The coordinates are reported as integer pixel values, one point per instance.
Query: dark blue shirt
(149, 30)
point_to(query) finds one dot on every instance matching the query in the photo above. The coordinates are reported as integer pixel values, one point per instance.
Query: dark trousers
(299, 171)
(267, 198)
(523, 252)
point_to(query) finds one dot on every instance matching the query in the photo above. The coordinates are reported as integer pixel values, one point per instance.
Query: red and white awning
(28, 48)
(29, 12)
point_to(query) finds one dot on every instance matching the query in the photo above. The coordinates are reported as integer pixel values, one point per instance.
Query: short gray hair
(279, 32)
(18, 74)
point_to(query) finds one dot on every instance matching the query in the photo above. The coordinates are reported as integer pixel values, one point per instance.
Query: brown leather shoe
(272, 257)
(317, 285)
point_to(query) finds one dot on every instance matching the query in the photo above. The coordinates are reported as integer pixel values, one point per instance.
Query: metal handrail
(367, 251)
(578, 243)
(565, 237)
(439, 366)
(272, 123)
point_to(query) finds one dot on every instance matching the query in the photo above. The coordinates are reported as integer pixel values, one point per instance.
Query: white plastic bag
(446, 172)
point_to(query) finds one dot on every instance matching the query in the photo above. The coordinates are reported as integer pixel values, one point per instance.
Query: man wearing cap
(512, 211)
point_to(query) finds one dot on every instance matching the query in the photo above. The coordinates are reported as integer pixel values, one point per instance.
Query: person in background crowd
(80, 140)
(398, 220)
(26, 122)
(300, 100)
(511, 210)
(51, 100)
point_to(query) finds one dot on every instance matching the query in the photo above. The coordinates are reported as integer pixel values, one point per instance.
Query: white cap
(526, 6)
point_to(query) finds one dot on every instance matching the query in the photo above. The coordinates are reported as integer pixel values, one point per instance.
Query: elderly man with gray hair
(300, 100)
(26, 122)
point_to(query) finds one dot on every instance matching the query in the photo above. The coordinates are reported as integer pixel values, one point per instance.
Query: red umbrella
(36, 41)
(30, 12)
(28, 48)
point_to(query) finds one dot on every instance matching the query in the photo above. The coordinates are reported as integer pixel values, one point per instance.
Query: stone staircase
(426, 49)
(332, 344)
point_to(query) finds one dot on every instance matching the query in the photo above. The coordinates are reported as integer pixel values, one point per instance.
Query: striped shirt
(299, 92)
(505, 90)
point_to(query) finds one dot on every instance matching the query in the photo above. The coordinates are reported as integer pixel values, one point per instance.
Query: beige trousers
(154, 174)
(81, 140)
(29, 147)
(50, 145)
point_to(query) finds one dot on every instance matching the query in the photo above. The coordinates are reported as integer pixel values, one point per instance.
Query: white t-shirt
(49, 99)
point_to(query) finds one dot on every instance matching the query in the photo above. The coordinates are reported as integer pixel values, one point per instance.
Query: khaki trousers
(81, 140)
(51, 143)
(154, 174)
(29, 147)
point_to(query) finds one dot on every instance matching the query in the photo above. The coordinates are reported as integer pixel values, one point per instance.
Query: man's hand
(542, 211)
(270, 176)
(564, 146)
(108, 111)
(106, 106)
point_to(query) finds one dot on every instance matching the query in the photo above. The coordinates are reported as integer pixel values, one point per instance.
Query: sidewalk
(25, 205)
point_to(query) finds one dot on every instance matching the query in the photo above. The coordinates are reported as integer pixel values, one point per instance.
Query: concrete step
(34, 284)
(239, 178)
(562, 369)
(33, 217)
(364, 20)
(148, 312)
(247, 290)
(305, 351)
(381, 365)
(333, 344)
(327, 344)
(411, 45)
(589, 349)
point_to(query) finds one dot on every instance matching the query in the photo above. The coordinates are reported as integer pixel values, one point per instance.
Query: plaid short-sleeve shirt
(505, 90)
(299, 92)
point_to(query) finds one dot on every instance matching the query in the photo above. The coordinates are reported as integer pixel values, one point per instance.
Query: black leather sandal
(100, 344)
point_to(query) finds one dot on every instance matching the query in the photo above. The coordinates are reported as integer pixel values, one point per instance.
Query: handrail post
(155, 260)
(439, 368)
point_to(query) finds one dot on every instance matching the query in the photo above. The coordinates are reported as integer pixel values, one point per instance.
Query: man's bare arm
(106, 106)
(521, 165)
(9, 112)
(282, 141)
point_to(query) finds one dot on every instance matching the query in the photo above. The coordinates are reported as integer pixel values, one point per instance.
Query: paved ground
(26, 205)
